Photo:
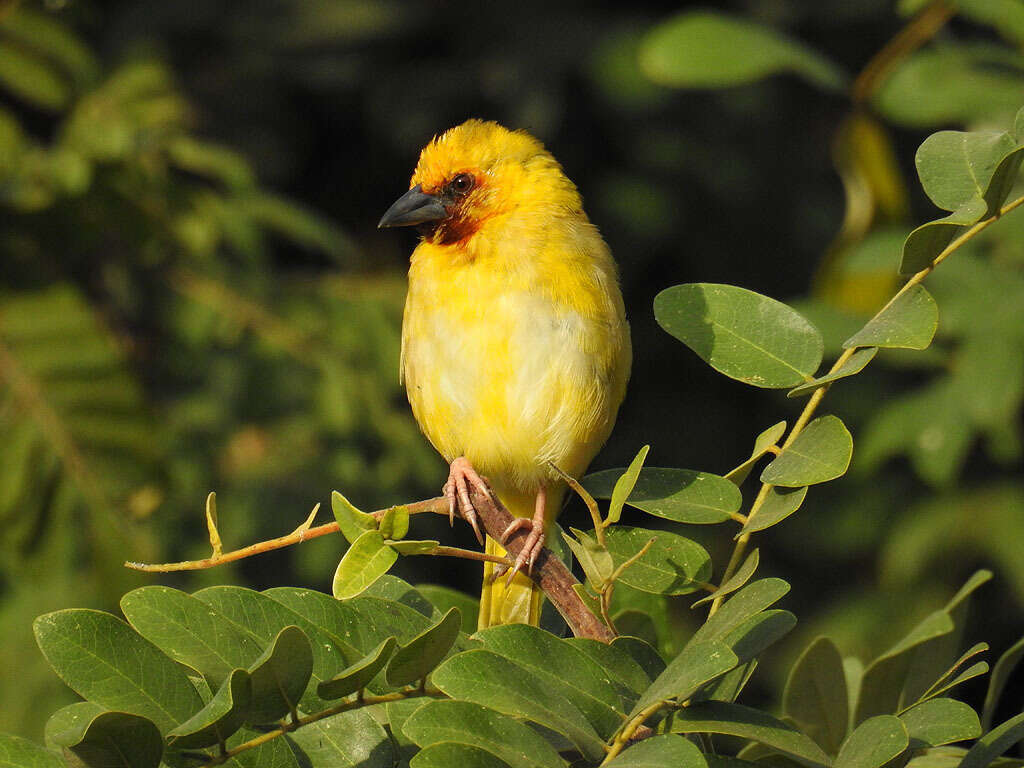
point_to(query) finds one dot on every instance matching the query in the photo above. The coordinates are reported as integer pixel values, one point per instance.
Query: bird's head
(476, 173)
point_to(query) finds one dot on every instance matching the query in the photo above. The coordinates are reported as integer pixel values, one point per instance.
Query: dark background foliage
(194, 297)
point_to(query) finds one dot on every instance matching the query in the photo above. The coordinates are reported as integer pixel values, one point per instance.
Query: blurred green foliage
(169, 325)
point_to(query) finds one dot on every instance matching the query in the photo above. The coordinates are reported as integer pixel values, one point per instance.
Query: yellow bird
(515, 345)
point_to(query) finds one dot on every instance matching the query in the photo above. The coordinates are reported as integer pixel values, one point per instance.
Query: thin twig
(595, 513)
(819, 394)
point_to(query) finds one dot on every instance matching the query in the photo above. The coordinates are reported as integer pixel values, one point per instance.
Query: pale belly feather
(512, 387)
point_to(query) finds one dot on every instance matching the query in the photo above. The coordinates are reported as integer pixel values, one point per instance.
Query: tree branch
(549, 573)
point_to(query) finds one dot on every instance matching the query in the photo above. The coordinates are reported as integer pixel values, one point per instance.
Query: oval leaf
(697, 664)
(467, 723)
(957, 166)
(820, 453)
(665, 751)
(702, 49)
(358, 675)
(352, 522)
(748, 602)
(415, 660)
(221, 717)
(940, 721)
(854, 365)
(366, 560)
(874, 743)
(683, 495)
(673, 565)
(779, 504)
(908, 321)
(816, 697)
(104, 661)
(280, 675)
(762, 443)
(746, 336)
(446, 754)
(16, 752)
(737, 720)
(488, 679)
(119, 739)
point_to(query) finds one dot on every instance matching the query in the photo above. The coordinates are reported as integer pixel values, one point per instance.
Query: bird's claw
(460, 475)
(532, 547)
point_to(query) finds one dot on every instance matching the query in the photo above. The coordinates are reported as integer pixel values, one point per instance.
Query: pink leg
(534, 540)
(460, 475)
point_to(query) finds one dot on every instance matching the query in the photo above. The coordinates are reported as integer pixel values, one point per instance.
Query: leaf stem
(630, 728)
(595, 513)
(819, 394)
(345, 706)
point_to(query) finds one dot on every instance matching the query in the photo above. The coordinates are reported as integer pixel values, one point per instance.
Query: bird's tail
(520, 601)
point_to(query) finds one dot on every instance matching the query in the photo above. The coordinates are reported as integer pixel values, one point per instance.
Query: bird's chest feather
(499, 371)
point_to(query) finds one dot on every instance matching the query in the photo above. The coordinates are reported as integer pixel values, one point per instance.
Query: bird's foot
(534, 543)
(460, 476)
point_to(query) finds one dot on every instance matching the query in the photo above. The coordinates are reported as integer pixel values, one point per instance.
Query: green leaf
(595, 560)
(854, 365)
(820, 453)
(977, 86)
(411, 547)
(698, 664)
(488, 679)
(746, 336)
(280, 675)
(322, 618)
(947, 680)
(873, 743)
(104, 661)
(221, 717)
(703, 49)
(643, 653)
(32, 78)
(816, 697)
(1000, 675)
(395, 522)
(565, 669)
(956, 166)
(626, 676)
(994, 743)
(359, 674)
(65, 726)
(748, 602)
(759, 632)
(1006, 16)
(118, 739)
(352, 522)
(736, 720)
(779, 504)
(16, 752)
(908, 321)
(389, 587)
(973, 671)
(926, 242)
(188, 631)
(737, 580)
(762, 443)
(349, 740)
(674, 565)
(624, 486)
(417, 658)
(665, 751)
(443, 598)
(682, 495)
(466, 723)
(364, 562)
(446, 754)
(940, 721)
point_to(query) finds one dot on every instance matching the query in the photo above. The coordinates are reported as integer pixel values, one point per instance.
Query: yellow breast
(515, 348)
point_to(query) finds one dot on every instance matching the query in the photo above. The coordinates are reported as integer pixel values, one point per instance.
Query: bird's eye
(462, 183)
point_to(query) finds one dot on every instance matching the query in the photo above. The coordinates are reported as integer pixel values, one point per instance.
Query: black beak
(414, 207)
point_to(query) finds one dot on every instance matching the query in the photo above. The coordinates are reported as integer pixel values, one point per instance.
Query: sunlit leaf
(363, 563)
(683, 495)
(940, 721)
(742, 334)
(624, 486)
(779, 504)
(853, 366)
(762, 444)
(698, 664)
(737, 580)
(873, 743)
(820, 453)
(673, 565)
(353, 522)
